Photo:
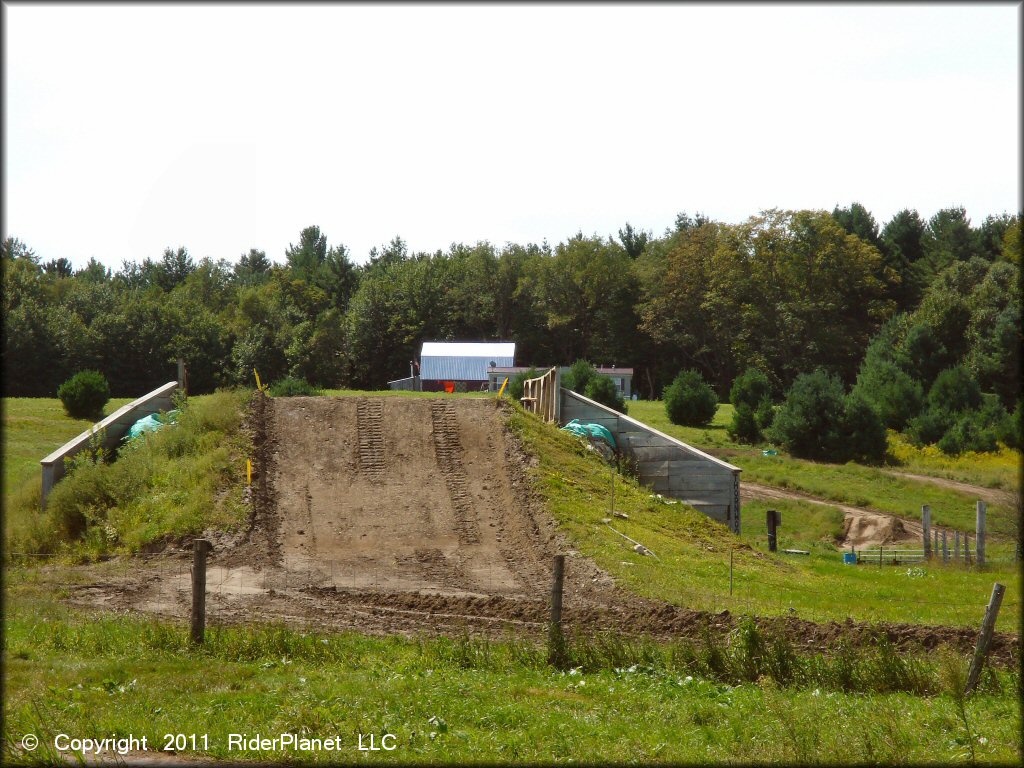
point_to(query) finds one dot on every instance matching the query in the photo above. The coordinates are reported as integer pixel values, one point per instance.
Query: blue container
(849, 558)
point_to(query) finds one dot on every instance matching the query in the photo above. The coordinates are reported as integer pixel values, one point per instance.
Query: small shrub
(750, 388)
(807, 423)
(689, 400)
(969, 433)
(743, 428)
(579, 377)
(765, 414)
(862, 433)
(954, 391)
(293, 387)
(929, 426)
(890, 391)
(1008, 432)
(603, 390)
(84, 395)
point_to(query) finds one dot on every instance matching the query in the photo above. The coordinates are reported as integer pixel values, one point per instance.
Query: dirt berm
(403, 495)
(407, 515)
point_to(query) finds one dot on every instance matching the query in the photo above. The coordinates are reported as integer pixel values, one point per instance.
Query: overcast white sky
(133, 128)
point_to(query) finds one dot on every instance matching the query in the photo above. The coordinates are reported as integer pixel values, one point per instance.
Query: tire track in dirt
(370, 429)
(448, 450)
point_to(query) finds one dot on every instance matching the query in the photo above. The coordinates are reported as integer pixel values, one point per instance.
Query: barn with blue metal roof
(462, 365)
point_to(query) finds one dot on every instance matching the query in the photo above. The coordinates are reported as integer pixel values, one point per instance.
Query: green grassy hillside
(693, 552)
(174, 482)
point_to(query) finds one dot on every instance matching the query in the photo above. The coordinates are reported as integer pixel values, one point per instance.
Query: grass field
(33, 428)
(463, 700)
(854, 484)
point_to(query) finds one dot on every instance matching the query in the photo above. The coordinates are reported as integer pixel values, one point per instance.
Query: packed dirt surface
(410, 516)
(402, 495)
(862, 528)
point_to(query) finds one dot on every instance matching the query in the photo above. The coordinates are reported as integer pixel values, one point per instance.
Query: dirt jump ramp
(403, 495)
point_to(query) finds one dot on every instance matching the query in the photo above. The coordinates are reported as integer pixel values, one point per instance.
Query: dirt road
(989, 495)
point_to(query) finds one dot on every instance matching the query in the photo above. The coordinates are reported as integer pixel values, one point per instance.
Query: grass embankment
(692, 564)
(468, 700)
(855, 484)
(177, 481)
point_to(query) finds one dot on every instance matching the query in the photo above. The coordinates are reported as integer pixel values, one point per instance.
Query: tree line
(786, 292)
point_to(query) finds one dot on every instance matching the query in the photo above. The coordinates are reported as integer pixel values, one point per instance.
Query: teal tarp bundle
(590, 430)
(152, 423)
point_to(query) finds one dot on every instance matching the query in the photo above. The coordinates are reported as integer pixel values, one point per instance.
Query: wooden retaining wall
(666, 465)
(115, 426)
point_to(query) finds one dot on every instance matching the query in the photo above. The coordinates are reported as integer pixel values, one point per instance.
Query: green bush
(861, 432)
(765, 414)
(579, 377)
(515, 384)
(292, 387)
(954, 391)
(84, 395)
(1008, 431)
(807, 422)
(743, 428)
(817, 421)
(929, 426)
(969, 433)
(689, 400)
(603, 390)
(750, 388)
(890, 391)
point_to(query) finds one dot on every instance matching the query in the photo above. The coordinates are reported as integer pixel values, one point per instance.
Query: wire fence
(426, 586)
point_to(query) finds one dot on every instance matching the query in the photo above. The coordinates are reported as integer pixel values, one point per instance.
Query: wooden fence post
(199, 549)
(774, 518)
(985, 638)
(556, 640)
(967, 548)
(979, 534)
(945, 547)
(935, 542)
(926, 523)
(956, 546)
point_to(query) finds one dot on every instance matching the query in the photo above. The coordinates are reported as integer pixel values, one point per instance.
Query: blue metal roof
(463, 361)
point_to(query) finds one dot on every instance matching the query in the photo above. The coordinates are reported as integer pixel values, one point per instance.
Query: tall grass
(748, 655)
(176, 481)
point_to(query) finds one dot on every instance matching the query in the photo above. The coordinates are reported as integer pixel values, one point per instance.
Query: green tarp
(590, 430)
(152, 423)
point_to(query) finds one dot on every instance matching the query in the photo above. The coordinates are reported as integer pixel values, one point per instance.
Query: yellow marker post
(503, 384)
(259, 385)
(248, 471)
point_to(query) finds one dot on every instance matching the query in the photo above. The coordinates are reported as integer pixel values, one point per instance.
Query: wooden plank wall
(540, 395)
(666, 465)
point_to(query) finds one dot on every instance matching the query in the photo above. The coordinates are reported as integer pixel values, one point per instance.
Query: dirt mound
(403, 495)
(862, 527)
